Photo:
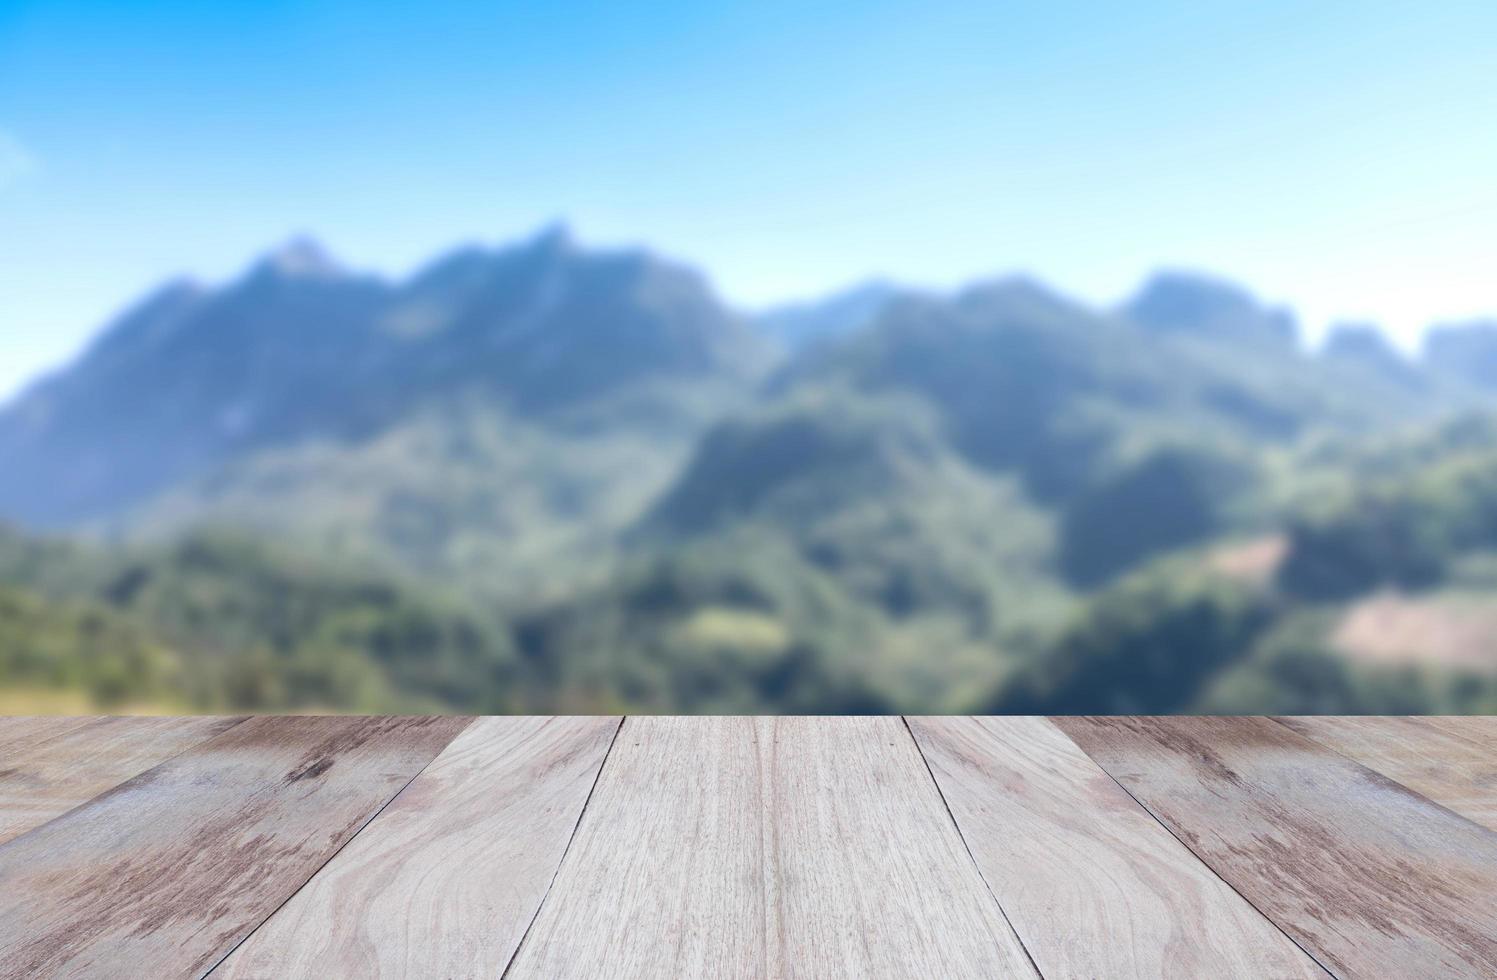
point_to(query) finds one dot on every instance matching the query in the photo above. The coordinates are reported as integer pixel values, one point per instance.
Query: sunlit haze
(1337, 157)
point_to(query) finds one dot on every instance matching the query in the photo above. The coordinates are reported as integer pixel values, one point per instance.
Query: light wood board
(749, 847)
(1371, 878)
(446, 880)
(1481, 729)
(49, 777)
(1455, 770)
(781, 847)
(168, 871)
(19, 733)
(1093, 884)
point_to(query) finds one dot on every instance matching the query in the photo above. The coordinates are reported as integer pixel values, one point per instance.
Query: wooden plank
(1455, 770)
(1368, 876)
(19, 733)
(1481, 729)
(164, 874)
(446, 880)
(871, 877)
(665, 876)
(1093, 884)
(767, 847)
(52, 776)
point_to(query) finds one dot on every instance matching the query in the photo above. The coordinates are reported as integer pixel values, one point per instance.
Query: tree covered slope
(546, 477)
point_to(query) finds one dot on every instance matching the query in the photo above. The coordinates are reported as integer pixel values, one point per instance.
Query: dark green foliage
(1294, 672)
(268, 630)
(1150, 644)
(83, 647)
(1011, 371)
(723, 626)
(1379, 543)
(1400, 532)
(803, 460)
(1173, 497)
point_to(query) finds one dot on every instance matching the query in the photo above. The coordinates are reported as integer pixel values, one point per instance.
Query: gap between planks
(1377, 878)
(920, 749)
(1206, 864)
(571, 838)
(448, 876)
(605, 767)
(920, 752)
(1218, 875)
(766, 847)
(247, 936)
(129, 876)
(586, 810)
(1055, 831)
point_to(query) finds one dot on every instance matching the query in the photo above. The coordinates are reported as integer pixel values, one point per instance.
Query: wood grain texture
(872, 877)
(1453, 764)
(444, 882)
(164, 874)
(18, 733)
(1093, 884)
(1481, 729)
(49, 777)
(746, 847)
(1370, 877)
(671, 847)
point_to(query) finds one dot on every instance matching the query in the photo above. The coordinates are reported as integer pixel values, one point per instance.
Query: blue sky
(1340, 157)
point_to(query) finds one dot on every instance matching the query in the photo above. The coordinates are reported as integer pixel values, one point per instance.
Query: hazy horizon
(15, 379)
(1335, 160)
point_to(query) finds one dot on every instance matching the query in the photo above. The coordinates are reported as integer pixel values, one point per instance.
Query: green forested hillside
(216, 621)
(541, 478)
(82, 656)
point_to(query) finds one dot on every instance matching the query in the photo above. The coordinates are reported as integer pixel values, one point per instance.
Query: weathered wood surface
(767, 847)
(1370, 877)
(1093, 884)
(748, 847)
(76, 762)
(1481, 729)
(167, 872)
(449, 877)
(1451, 761)
(19, 733)
(863, 850)
(671, 847)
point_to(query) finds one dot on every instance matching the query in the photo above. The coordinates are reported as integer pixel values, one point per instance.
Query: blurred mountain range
(545, 477)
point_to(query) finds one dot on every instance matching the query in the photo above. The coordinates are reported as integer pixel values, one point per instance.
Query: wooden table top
(748, 847)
